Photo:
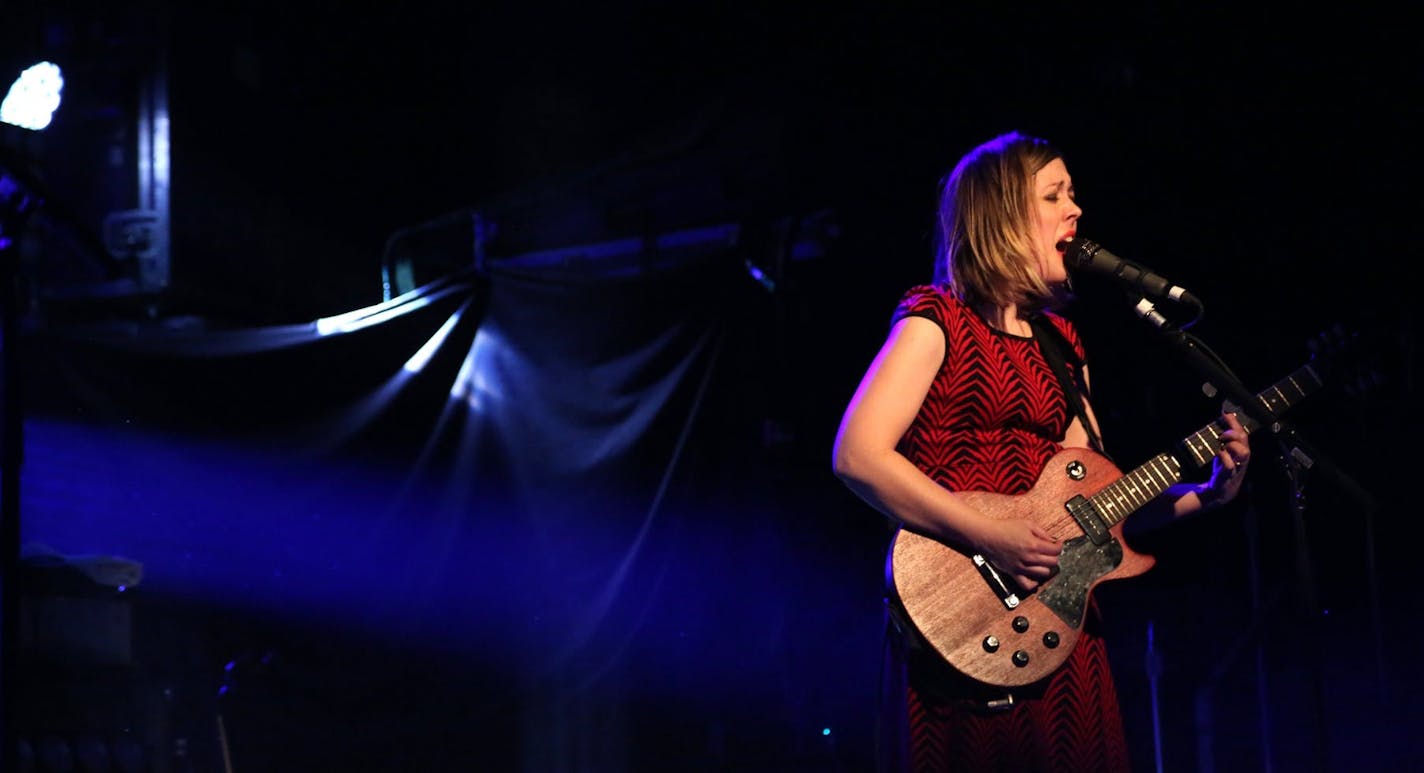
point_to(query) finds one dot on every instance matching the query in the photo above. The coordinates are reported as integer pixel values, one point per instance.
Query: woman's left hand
(1229, 467)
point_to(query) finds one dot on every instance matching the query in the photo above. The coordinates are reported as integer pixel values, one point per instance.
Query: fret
(1130, 492)
(1275, 403)
(1285, 397)
(1203, 444)
(1200, 448)
(1137, 494)
(1120, 509)
(1283, 394)
(1161, 467)
(1212, 443)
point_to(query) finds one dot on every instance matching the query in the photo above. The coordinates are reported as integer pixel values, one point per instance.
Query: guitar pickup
(996, 581)
(1089, 519)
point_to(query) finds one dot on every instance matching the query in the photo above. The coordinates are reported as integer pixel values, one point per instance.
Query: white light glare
(33, 97)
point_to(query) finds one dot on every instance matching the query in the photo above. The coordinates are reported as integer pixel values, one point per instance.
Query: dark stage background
(473, 411)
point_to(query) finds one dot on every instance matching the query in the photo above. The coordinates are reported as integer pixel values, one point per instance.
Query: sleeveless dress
(991, 419)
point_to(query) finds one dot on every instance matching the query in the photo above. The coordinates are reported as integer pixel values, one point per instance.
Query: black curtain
(528, 516)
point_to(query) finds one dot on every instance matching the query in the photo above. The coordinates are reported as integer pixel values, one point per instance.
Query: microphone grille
(1080, 252)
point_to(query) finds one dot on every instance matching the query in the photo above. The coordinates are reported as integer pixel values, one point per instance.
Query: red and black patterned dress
(992, 418)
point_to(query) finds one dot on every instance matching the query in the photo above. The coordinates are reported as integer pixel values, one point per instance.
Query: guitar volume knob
(1020, 658)
(1050, 639)
(1020, 624)
(991, 643)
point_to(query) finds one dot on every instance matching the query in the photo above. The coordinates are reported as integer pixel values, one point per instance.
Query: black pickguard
(1079, 566)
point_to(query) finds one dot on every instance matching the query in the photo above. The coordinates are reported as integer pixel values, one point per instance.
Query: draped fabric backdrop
(530, 513)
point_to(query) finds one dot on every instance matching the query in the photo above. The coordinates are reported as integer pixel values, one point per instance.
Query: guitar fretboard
(1127, 494)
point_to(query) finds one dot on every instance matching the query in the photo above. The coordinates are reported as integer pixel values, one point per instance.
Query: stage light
(33, 97)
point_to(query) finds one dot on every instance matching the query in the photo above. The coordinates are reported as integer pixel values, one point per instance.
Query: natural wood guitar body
(957, 611)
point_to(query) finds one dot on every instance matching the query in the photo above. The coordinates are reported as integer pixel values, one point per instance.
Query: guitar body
(966, 611)
(995, 637)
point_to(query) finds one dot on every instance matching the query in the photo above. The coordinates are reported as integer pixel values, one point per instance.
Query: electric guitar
(985, 627)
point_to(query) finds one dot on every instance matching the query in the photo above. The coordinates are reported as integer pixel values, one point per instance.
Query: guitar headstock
(1346, 359)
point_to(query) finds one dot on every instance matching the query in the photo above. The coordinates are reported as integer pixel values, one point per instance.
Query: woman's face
(1055, 219)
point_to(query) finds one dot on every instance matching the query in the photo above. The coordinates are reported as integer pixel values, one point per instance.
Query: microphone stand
(1300, 457)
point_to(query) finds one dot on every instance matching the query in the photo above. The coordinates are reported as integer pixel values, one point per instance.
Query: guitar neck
(1127, 494)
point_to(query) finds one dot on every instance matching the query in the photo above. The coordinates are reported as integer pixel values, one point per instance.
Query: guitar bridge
(996, 581)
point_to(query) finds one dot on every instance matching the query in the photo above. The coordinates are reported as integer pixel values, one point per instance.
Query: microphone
(1087, 255)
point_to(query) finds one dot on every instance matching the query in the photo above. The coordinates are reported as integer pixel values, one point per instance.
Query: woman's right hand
(1019, 548)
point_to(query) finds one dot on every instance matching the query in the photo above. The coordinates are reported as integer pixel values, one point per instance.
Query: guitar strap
(1058, 351)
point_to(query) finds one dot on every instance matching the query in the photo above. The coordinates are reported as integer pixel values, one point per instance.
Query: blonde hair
(985, 254)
